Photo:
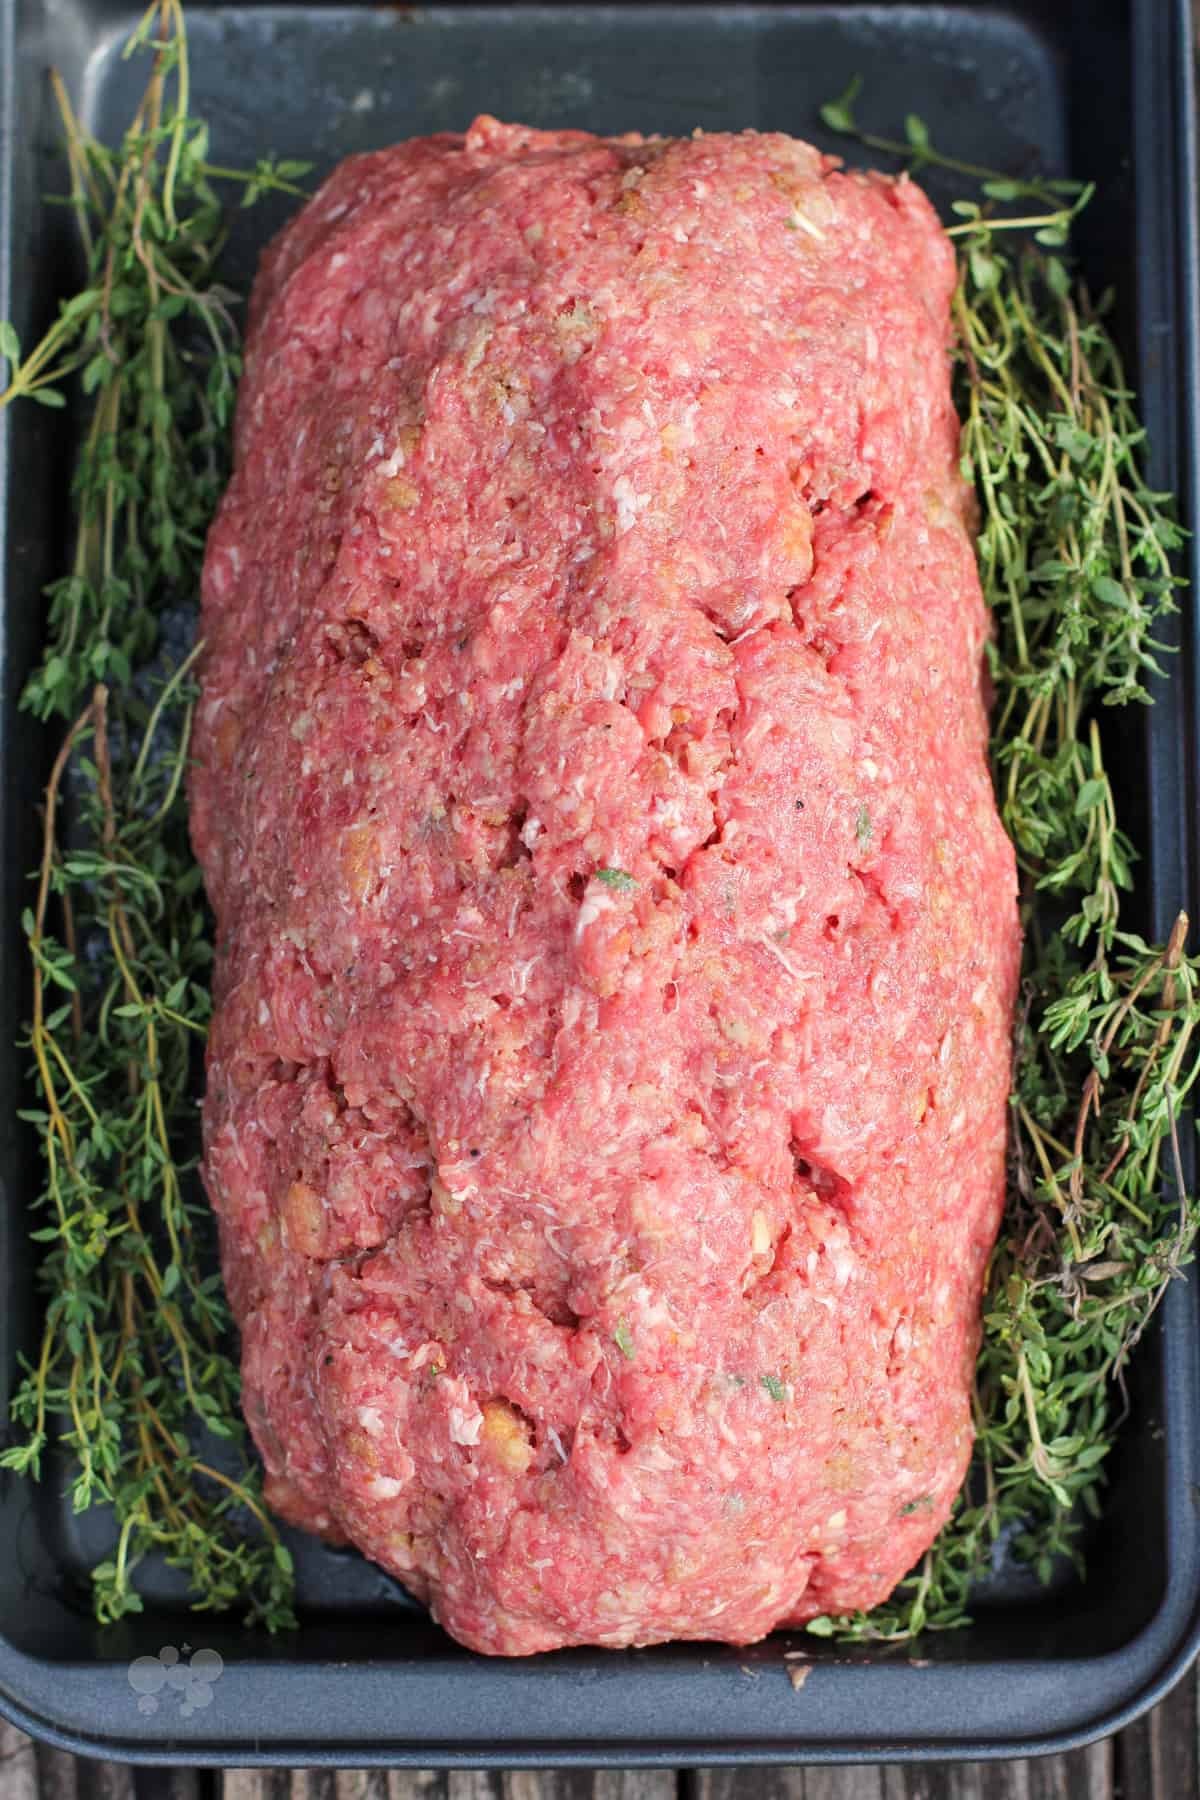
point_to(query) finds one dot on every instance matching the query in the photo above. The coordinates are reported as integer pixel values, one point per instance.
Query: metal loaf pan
(1100, 88)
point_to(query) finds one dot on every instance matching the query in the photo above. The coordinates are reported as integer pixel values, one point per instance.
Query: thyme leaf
(133, 1380)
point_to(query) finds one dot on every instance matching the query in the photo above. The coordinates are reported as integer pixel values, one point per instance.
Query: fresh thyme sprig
(133, 1381)
(1075, 556)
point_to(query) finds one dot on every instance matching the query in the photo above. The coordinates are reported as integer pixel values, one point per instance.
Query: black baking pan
(1097, 88)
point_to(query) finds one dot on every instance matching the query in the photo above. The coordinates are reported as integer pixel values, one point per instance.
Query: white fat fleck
(466, 1423)
(785, 908)
(398, 1348)
(781, 957)
(764, 723)
(521, 973)
(384, 1487)
(377, 447)
(844, 1262)
(551, 1236)
(595, 904)
(264, 1013)
(371, 1420)
(394, 463)
(336, 261)
(629, 503)
(558, 1445)
(531, 831)
(655, 1455)
(801, 222)
(869, 767)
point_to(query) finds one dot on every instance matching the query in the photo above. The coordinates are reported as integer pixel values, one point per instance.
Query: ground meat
(616, 937)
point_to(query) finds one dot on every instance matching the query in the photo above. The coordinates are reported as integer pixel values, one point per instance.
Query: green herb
(623, 1339)
(773, 1386)
(923, 1503)
(618, 879)
(862, 826)
(132, 1375)
(1075, 556)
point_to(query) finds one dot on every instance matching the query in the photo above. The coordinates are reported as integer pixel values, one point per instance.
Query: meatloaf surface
(616, 937)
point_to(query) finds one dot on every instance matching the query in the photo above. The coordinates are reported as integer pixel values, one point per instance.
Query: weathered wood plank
(786, 1784)
(927, 1781)
(362, 1784)
(1084, 1775)
(58, 1774)
(313, 1784)
(18, 1764)
(1159, 1754)
(171, 1784)
(255, 1784)
(103, 1780)
(844, 1784)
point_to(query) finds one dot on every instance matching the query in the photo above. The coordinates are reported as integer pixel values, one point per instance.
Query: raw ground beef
(616, 937)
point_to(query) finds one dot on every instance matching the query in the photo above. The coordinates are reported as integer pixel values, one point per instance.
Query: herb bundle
(132, 1378)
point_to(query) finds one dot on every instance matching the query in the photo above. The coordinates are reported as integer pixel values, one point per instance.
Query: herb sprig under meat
(1075, 555)
(132, 1375)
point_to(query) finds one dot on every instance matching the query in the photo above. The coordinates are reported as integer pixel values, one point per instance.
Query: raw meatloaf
(616, 937)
